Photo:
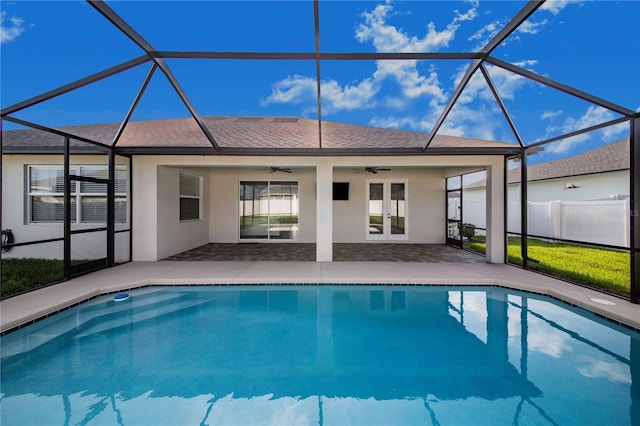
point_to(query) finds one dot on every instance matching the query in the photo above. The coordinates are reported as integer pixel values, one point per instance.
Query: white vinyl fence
(601, 222)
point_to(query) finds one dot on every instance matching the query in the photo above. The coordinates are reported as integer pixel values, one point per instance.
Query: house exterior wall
(590, 187)
(158, 233)
(15, 214)
(425, 192)
(425, 215)
(174, 235)
(590, 212)
(224, 200)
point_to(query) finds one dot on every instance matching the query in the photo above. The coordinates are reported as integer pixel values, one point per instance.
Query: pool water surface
(326, 354)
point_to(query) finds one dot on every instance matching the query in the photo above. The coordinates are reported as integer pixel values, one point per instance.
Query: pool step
(92, 313)
(138, 316)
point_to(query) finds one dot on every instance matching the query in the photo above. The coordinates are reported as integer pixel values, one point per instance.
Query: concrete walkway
(25, 308)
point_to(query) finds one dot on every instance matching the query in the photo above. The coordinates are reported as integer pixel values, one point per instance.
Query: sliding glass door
(268, 210)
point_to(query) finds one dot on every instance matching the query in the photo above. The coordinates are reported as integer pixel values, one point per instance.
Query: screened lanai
(330, 89)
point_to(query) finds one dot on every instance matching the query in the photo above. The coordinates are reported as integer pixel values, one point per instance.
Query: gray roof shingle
(610, 157)
(613, 156)
(243, 132)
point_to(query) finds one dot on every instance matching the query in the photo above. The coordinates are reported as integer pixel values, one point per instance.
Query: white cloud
(529, 27)
(593, 116)
(486, 33)
(388, 38)
(614, 372)
(395, 103)
(550, 115)
(549, 342)
(555, 6)
(525, 63)
(412, 83)
(477, 122)
(349, 97)
(299, 89)
(293, 89)
(401, 123)
(385, 37)
(505, 82)
(9, 32)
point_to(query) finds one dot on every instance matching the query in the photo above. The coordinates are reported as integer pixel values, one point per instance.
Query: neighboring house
(582, 198)
(269, 181)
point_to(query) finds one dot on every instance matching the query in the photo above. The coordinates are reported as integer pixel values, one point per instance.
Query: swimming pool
(326, 354)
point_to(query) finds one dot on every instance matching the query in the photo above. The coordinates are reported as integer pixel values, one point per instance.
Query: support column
(144, 209)
(324, 212)
(498, 328)
(635, 211)
(495, 213)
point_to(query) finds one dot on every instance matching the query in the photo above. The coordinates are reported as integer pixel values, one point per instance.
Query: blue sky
(591, 45)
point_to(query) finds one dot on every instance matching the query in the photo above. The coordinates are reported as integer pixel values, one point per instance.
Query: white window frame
(77, 194)
(188, 196)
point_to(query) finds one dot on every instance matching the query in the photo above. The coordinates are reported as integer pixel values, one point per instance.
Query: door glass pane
(454, 182)
(453, 205)
(254, 209)
(283, 210)
(453, 214)
(375, 208)
(397, 209)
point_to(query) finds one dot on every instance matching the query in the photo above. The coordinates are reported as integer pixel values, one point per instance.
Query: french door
(387, 209)
(454, 211)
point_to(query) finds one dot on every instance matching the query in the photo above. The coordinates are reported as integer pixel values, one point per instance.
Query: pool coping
(22, 310)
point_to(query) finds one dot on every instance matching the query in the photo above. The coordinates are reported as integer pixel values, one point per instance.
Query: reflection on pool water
(321, 355)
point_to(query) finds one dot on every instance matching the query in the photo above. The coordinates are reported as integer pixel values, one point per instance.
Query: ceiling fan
(375, 170)
(280, 169)
(274, 169)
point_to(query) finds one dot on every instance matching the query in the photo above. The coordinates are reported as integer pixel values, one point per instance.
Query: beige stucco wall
(425, 193)
(158, 232)
(15, 214)
(175, 236)
(224, 200)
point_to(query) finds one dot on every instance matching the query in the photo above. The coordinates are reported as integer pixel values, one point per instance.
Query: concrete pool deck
(23, 309)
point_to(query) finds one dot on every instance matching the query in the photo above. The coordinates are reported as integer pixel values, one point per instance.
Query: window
(189, 196)
(88, 199)
(268, 210)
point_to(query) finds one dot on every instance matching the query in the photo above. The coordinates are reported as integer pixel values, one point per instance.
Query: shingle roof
(613, 156)
(243, 132)
(610, 157)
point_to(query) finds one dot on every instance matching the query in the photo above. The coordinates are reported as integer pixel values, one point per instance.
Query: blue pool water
(328, 355)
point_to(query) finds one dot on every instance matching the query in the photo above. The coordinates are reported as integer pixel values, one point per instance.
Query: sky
(593, 46)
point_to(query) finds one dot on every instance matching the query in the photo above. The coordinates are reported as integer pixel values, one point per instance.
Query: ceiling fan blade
(280, 169)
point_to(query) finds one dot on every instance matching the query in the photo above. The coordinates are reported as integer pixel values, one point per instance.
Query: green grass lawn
(20, 275)
(599, 267)
(608, 269)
